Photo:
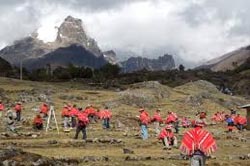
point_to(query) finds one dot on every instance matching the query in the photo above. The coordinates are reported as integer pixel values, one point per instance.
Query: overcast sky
(195, 30)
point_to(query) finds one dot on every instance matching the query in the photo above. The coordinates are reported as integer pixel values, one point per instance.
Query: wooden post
(248, 118)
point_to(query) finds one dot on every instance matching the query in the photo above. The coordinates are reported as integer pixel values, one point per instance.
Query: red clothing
(164, 133)
(65, 112)
(1, 107)
(216, 118)
(18, 108)
(74, 111)
(198, 139)
(44, 109)
(83, 118)
(157, 117)
(185, 122)
(240, 120)
(38, 120)
(170, 119)
(107, 114)
(90, 111)
(144, 118)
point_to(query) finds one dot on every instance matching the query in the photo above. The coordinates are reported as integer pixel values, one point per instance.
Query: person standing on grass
(144, 120)
(66, 117)
(157, 120)
(18, 108)
(198, 144)
(1, 108)
(44, 109)
(83, 121)
(73, 114)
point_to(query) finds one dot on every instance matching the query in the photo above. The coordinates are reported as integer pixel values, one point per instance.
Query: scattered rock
(52, 142)
(128, 151)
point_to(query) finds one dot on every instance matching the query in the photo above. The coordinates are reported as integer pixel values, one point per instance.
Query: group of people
(196, 142)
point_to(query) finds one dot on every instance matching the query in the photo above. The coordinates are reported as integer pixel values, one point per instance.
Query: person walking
(83, 121)
(18, 108)
(157, 120)
(144, 120)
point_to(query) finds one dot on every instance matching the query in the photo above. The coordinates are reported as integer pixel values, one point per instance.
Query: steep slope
(4, 66)
(35, 53)
(73, 54)
(228, 61)
(165, 62)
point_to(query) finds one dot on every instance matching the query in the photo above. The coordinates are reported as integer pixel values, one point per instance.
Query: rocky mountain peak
(71, 32)
(110, 56)
(165, 62)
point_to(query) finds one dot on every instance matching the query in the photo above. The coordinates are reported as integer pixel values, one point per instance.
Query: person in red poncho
(157, 120)
(83, 121)
(18, 108)
(198, 143)
(91, 112)
(106, 115)
(144, 120)
(240, 122)
(66, 117)
(44, 109)
(167, 137)
(38, 123)
(1, 108)
(185, 122)
(172, 118)
(73, 114)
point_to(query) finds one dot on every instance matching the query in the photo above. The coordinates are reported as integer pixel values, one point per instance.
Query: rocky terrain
(121, 144)
(165, 62)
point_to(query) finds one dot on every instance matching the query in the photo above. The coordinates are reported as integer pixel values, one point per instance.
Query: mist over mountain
(72, 46)
(229, 61)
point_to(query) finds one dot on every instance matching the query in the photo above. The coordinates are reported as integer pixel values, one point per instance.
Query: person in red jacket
(144, 120)
(73, 115)
(167, 137)
(66, 117)
(91, 112)
(106, 115)
(157, 120)
(18, 108)
(240, 122)
(44, 109)
(83, 121)
(38, 123)
(1, 108)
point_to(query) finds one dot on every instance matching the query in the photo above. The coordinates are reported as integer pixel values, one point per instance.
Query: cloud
(194, 30)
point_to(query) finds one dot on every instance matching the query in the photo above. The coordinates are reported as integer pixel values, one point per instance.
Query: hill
(106, 147)
(229, 61)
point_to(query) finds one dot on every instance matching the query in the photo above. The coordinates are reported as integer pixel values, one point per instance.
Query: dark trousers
(73, 121)
(106, 123)
(18, 115)
(83, 129)
(38, 126)
(239, 127)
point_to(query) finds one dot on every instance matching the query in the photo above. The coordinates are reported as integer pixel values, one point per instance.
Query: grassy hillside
(186, 100)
